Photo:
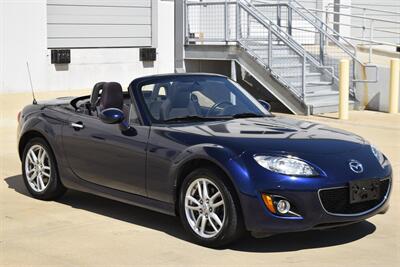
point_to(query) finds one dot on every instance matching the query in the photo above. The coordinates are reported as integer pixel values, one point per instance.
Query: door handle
(77, 125)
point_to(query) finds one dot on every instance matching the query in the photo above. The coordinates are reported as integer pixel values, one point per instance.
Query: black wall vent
(61, 56)
(148, 54)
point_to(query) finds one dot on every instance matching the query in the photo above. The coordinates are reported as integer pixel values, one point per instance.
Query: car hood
(279, 134)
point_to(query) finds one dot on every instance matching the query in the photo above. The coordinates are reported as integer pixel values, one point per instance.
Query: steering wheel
(215, 106)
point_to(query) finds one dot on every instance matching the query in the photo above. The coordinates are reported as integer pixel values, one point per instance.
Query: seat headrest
(111, 96)
(95, 94)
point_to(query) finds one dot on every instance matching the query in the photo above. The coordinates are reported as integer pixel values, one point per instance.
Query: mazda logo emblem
(356, 166)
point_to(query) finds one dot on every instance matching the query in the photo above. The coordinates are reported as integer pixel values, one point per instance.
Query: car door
(101, 153)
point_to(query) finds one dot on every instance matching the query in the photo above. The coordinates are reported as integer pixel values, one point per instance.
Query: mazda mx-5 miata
(198, 146)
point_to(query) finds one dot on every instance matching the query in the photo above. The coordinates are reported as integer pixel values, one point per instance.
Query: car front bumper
(308, 204)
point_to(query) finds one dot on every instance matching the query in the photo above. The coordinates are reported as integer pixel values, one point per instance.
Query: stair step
(322, 93)
(308, 74)
(320, 88)
(285, 56)
(279, 66)
(327, 107)
(314, 85)
(280, 57)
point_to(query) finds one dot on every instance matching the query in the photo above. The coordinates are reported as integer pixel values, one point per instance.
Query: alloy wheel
(205, 208)
(37, 168)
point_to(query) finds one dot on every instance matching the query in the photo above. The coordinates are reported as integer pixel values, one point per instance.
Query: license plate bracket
(363, 190)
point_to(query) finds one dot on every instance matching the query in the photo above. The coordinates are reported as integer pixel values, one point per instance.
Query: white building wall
(23, 37)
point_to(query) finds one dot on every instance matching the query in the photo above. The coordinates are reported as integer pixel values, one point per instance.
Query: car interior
(169, 100)
(179, 99)
(104, 95)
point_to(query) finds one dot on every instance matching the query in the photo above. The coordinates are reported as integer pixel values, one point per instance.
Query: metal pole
(321, 46)
(248, 24)
(394, 85)
(269, 46)
(344, 74)
(303, 77)
(278, 15)
(179, 51)
(233, 70)
(290, 14)
(363, 27)
(326, 20)
(186, 23)
(371, 36)
(226, 21)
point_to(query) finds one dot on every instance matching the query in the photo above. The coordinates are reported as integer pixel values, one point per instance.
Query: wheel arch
(26, 137)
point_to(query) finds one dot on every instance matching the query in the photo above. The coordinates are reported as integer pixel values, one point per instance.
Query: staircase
(298, 65)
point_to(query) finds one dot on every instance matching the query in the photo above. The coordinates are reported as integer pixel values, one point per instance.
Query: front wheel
(39, 171)
(208, 210)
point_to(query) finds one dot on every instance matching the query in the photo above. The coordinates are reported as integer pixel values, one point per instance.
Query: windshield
(199, 97)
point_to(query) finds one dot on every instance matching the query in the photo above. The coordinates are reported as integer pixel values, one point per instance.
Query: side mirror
(265, 104)
(111, 116)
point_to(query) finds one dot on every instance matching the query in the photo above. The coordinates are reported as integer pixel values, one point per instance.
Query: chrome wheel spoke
(199, 190)
(203, 224)
(212, 225)
(40, 182)
(205, 189)
(192, 199)
(197, 225)
(33, 176)
(32, 157)
(214, 197)
(42, 156)
(216, 219)
(193, 207)
(216, 205)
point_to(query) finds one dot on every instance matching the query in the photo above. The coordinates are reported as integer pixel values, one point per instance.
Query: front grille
(337, 200)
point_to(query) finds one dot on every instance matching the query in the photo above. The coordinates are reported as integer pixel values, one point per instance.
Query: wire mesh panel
(206, 22)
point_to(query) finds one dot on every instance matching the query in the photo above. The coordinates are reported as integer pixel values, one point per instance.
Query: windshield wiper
(248, 115)
(194, 118)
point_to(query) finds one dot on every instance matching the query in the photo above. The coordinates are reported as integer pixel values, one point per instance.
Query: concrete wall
(23, 37)
(377, 93)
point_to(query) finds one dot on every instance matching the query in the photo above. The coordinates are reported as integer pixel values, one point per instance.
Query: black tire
(232, 227)
(54, 189)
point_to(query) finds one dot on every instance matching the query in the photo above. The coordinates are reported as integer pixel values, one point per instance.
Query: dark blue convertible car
(200, 147)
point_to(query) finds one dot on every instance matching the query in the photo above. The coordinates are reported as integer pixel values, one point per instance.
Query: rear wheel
(208, 210)
(39, 171)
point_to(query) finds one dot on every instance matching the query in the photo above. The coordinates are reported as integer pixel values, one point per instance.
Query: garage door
(99, 23)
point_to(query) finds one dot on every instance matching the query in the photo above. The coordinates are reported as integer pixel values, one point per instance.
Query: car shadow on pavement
(171, 225)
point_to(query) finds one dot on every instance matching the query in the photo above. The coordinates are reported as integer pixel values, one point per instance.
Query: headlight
(379, 156)
(286, 165)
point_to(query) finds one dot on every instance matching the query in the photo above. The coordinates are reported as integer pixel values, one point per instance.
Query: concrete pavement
(85, 230)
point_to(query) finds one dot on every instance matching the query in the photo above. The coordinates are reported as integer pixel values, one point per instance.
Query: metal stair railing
(258, 35)
(329, 46)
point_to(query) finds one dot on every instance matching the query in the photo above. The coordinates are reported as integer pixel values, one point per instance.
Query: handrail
(365, 8)
(372, 38)
(321, 28)
(290, 4)
(296, 46)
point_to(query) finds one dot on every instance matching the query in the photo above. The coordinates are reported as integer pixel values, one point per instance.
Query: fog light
(283, 206)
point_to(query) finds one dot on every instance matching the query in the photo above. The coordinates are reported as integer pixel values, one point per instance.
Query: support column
(179, 36)
(344, 69)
